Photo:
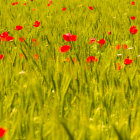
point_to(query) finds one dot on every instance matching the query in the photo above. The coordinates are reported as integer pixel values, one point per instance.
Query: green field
(46, 94)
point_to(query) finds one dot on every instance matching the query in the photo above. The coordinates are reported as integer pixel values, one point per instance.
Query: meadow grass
(59, 100)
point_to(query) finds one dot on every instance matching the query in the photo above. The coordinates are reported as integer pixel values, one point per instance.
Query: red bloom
(1, 57)
(124, 46)
(133, 3)
(33, 40)
(133, 18)
(91, 59)
(36, 56)
(9, 38)
(14, 3)
(63, 9)
(118, 66)
(24, 3)
(21, 39)
(109, 33)
(50, 1)
(101, 42)
(73, 38)
(133, 30)
(90, 7)
(36, 24)
(92, 40)
(127, 61)
(65, 48)
(69, 37)
(49, 4)
(18, 27)
(21, 55)
(4, 35)
(118, 47)
(2, 132)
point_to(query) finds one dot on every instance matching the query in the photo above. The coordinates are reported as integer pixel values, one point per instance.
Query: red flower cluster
(68, 37)
(36, 24)
(14, 3)
(119, 46)
(5, 37)
(133, 30)
(50, 2)
(2, 132)
(91, 59)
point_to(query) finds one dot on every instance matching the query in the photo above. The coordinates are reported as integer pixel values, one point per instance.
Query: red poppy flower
(109, 33)
(49, 4)
(101, 42)
(73, 38)
(50, 1)
(133, 17)
(18, 27)
(90, 7)
(24, 3)
(1, 56)
(14, 3)
(4, 35)
(36, 56)
(2, 132)
(63, 9)
(91, 59)
(124, 46)
(9, 38)
(133, 30)
(36, 24)
(133, 3)
(21, 39)
(128, 61)
(33, 9)
(92, 40)
(65, 48)
(21, 55)
(69, 37)
(118, 47)
(118, 66)
(33, 40)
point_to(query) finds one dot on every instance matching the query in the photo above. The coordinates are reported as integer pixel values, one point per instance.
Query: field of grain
(69, 70)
